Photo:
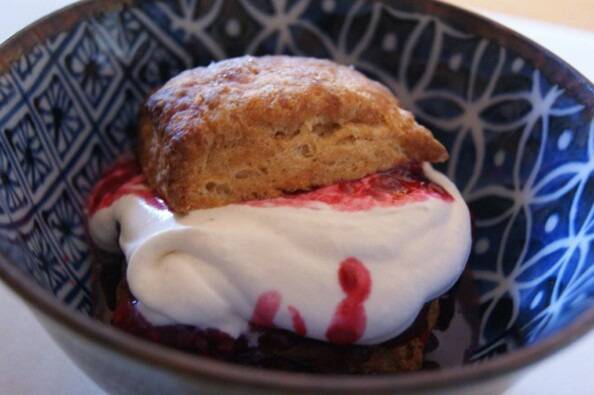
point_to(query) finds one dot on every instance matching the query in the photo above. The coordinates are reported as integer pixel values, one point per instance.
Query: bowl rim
(192, 366)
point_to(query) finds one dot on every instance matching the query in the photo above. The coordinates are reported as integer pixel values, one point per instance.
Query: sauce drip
(298, 323)
(349, 321)
(266, 308)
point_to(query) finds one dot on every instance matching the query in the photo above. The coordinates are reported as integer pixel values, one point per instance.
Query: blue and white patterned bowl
(518, 123)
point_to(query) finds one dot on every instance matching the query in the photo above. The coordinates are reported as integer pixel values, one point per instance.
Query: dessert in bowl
(516, 120)
(290, 193)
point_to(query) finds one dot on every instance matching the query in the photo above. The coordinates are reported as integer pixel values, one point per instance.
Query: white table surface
(30, 362)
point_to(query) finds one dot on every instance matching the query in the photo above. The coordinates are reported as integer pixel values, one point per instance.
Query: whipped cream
(322, 270)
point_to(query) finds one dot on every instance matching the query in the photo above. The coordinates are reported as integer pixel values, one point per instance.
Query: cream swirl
(318, 269)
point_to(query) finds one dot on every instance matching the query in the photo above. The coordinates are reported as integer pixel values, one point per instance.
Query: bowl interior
(522, 145)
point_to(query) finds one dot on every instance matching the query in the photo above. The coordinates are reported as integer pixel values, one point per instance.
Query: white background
(30, 363)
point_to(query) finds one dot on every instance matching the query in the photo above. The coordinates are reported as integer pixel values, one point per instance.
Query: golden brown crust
(250, 128)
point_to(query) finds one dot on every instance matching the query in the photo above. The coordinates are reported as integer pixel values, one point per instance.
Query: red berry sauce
(349, 321)
(210, 342)
(266, 308)
(348, 324)
(299, 326)
(125, 178)
(398, 186)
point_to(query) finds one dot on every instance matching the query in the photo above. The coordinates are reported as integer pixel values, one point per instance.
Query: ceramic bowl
(517, 121)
